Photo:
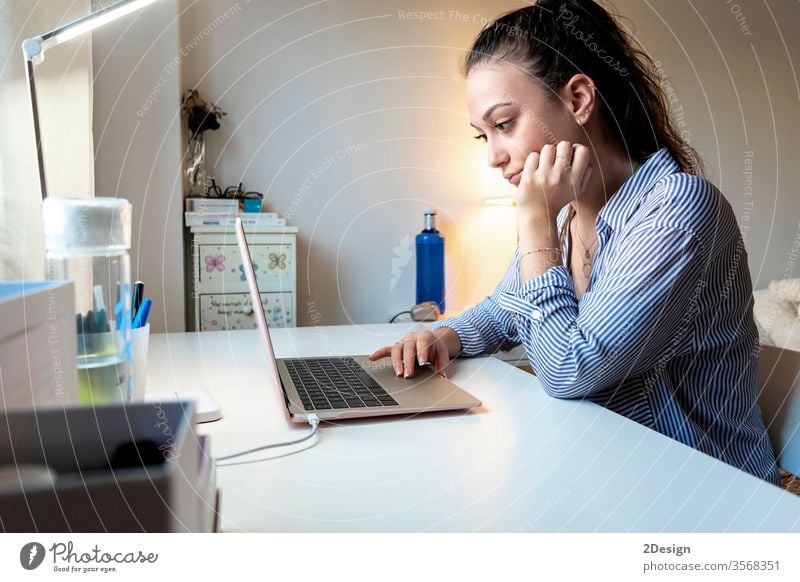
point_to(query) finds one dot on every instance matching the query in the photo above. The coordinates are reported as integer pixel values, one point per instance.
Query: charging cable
(313, 421)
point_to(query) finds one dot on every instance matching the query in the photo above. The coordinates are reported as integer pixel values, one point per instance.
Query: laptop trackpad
(426, 390)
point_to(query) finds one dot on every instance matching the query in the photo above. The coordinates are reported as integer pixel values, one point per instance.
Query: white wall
(737, 82)
(301, 84)
(138, 148)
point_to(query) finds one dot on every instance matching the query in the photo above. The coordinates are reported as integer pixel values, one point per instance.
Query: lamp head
(34, 48)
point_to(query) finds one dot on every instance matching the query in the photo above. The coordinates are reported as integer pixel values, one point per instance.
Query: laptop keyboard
(328, 383)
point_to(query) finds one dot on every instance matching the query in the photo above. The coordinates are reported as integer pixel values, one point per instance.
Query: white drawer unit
(219, 292)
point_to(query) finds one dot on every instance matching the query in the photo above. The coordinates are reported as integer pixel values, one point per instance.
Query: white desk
(523, 462)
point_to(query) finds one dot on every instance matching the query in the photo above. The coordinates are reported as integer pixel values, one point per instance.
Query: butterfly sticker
(217, 263)
(242, 275)
(277, 261)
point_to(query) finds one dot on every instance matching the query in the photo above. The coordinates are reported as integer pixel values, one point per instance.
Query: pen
(141, 315)
(119, 307)
(138, 295)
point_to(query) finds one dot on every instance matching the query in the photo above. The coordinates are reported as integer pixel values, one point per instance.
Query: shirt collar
(619, 208)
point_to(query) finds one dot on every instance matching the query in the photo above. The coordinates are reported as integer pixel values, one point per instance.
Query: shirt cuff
(472, 342)
(542, 295)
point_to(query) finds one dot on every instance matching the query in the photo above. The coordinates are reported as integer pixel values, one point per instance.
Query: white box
(119, 468)
(38, 337)
(194, 219)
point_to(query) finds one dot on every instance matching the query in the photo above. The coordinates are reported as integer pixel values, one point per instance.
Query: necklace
(588, 253)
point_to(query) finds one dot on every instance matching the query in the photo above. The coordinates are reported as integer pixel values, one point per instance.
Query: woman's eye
(502, 126)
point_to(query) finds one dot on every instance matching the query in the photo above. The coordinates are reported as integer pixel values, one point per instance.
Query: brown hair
(556, 39)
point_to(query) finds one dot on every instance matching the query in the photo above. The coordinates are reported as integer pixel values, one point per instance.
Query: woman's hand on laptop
(421, 348)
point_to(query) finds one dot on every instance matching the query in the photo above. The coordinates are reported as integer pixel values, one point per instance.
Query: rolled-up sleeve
(636, 312)
(553, 291)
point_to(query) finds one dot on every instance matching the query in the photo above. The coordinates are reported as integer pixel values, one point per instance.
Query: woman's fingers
(547, 156)
(432, 350)
(413, 349)
(563, 158)
(409, 357)
(397, 358)
(423, 349)
(531, 165)
(395, 352)
(559, 175)
(383, 352)
(580, 156)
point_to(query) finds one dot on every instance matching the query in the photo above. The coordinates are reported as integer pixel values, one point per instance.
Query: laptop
(347, 386)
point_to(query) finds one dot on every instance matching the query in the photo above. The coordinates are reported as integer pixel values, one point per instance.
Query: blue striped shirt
(664, 333)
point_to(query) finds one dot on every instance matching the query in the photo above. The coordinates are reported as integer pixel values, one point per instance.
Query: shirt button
(537, 314)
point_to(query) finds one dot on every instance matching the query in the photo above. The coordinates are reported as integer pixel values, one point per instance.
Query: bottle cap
(429, 211)
(87, 225)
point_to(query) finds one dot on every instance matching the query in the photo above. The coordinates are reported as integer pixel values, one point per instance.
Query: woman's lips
(515, 178)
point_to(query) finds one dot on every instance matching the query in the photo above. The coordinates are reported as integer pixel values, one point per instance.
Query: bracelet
(539, 251)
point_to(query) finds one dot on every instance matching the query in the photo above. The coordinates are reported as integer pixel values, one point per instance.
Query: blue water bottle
(430, 262)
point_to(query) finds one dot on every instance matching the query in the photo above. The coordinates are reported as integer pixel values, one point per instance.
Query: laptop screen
(255, 298)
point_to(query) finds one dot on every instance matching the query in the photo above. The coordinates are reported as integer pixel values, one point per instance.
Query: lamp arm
(33, 54)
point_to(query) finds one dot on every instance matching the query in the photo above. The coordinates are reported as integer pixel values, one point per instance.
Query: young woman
(630, 285)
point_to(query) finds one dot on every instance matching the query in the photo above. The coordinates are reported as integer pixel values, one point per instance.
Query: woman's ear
(579, 97)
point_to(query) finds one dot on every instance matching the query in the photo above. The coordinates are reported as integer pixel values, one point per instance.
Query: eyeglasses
(235, 192)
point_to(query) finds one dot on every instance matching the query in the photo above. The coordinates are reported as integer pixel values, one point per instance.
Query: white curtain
(64, 89)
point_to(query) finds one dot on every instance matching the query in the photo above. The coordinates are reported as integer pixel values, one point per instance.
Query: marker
(101, 321)
(141, 315)
(88, 322)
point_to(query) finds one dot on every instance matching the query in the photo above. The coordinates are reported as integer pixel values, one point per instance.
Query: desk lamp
(33, 50)
(88, 242)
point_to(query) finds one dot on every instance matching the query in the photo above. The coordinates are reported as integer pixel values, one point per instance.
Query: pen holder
(140, 342)
(87, 242)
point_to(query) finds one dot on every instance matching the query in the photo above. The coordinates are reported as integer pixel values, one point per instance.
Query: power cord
(313, 420)
(425, 311)
(398, 315)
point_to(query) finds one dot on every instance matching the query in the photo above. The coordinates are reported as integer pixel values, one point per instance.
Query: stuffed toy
(777, 313)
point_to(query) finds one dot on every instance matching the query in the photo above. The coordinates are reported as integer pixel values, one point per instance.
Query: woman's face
(515, 116)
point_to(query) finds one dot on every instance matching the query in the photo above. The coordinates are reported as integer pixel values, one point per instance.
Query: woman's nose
(497, 155)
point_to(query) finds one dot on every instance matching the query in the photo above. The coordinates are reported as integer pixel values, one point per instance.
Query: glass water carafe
(88, 241)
